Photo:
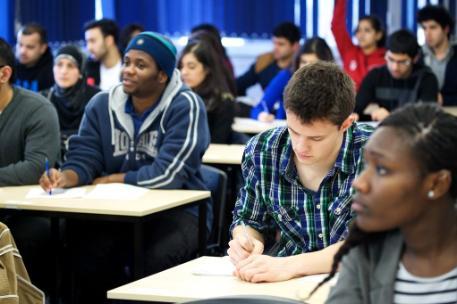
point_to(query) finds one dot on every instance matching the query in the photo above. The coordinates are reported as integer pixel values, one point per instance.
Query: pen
(246, 235)
(46, 165)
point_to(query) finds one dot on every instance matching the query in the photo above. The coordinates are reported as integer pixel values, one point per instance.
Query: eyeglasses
(404, 63)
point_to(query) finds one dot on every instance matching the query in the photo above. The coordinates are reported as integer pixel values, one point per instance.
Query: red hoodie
(355, 62)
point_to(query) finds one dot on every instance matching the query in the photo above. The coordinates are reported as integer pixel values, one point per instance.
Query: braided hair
(431, 134)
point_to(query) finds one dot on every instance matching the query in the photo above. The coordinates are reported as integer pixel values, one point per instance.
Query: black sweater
(381, 88)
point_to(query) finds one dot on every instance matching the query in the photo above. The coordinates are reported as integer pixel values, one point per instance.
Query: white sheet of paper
(116, 191)
(219, 267)
(57, 193)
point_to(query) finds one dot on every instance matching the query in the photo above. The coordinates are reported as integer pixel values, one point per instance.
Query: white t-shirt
(109, 76)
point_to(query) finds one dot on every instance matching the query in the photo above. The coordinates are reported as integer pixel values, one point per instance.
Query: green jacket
(368, 273)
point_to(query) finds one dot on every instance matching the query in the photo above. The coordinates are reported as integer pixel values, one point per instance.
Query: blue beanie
(160, 48)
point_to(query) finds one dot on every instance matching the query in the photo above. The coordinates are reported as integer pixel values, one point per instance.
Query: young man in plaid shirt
(297, 181)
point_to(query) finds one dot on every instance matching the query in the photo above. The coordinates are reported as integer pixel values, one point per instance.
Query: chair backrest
(216, 181)
(254, 299)
(238, 138)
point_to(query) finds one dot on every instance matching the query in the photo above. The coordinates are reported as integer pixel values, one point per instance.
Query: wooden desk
(178, 284)
(224, 154)
(152, 202)
(138, 211)
(451, 110)
(253, 126)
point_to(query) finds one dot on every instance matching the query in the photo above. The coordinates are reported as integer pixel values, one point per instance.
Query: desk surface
(224, 154)
(178, 284)
(451, 110)
(253, 126)
(151, 202)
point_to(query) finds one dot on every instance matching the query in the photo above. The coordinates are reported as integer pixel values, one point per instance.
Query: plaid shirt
(273, 196)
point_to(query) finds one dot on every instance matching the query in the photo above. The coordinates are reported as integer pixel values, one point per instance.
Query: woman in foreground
(402, 247)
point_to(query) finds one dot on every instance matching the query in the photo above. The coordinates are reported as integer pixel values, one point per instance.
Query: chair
(238, 138)
(254, 299)
(216, 181)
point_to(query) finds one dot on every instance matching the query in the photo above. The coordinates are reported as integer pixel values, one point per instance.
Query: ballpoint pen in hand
(46, 164)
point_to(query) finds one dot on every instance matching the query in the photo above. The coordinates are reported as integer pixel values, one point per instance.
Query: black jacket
(38, 77)
(381, 88)
(92, 72)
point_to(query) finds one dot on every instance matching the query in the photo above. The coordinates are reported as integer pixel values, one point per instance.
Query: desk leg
(202, 239)
(138, 259)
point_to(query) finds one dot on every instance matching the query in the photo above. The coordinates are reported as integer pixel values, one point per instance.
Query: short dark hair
(403, 42)
(287, 30)
(436, 13)
(32, 28)
(7, 57)
(320, 91)
(107, 26)
(317, 46)
(126, 34)
(207, 27)
(377, 25)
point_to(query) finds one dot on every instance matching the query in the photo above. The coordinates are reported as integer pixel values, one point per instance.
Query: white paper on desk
(216, 267)
(57, 193)
(116, 191)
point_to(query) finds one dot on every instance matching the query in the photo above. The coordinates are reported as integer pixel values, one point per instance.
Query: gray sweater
(29, 132)
(368, 273)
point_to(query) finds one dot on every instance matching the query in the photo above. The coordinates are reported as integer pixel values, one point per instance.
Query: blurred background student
(201, 71)
(359, 59)
(127, 33)
(70, 93)
(271, 105)
(210, 36)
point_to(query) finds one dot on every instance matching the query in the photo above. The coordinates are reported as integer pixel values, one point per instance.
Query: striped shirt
(437, 290)
(273, 197)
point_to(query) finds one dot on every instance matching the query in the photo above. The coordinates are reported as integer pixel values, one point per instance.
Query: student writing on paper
(297, 180)
(149, 131)
(402, 247)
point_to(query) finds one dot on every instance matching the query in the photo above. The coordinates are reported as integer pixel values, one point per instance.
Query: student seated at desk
(313, 50)
(149, 131)
(402, 80)
(70, 93)
(286, 41)
(297, 180)
(358, 59)
(29, 128)
(29, 133)
(201, 70)
(402, 247)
